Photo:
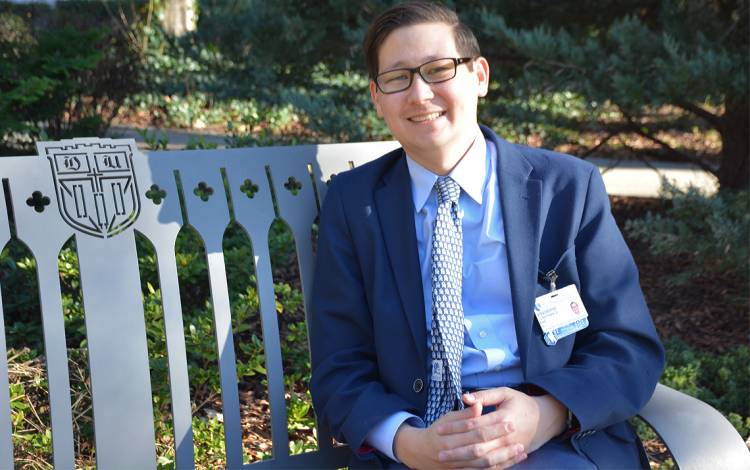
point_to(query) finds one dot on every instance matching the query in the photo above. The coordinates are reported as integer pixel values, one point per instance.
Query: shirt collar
(470, 173)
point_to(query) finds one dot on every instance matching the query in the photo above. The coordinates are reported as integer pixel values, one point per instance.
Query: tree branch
(596, 147)
(553, 64)
(638, 129)
(638, 154)
(711, 118)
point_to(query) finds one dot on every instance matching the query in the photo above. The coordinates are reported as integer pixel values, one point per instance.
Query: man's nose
(420, 90)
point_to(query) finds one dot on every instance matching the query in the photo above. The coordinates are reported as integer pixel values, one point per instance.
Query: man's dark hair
(411, 13)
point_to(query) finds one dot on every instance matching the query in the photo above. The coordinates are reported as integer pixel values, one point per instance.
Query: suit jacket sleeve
(617, 360)
(347, 393)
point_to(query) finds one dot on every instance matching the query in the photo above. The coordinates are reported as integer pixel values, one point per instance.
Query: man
(430, 327)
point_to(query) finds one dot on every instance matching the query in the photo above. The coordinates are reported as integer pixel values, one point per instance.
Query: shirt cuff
(382, 436)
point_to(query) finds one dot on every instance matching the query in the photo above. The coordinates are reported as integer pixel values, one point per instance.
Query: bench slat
(118, 354)
(160, 222)
(210, 218)
(177, 357)
(44, 234)
(247, 176)
(6, 427)
(299, 211)
(332, 159)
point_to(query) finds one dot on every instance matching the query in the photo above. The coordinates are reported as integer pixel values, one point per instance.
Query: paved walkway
(634, 178)
(622, 178)
(177, 138)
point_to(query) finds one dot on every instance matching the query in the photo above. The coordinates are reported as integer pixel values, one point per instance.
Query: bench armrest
(697, 436)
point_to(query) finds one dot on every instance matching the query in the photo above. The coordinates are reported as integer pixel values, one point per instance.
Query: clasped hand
(469, 439)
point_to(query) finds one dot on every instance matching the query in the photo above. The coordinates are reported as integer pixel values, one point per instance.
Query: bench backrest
(100, 191)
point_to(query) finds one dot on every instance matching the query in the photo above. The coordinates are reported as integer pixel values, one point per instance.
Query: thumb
(472, 404)
(469, 399)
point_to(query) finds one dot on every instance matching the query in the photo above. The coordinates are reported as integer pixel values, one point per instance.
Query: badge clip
(551, 276)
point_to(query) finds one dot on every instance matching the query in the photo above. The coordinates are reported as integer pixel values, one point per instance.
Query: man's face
(430, 120)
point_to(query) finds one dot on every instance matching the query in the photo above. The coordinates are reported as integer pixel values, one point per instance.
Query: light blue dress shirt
(490, 357)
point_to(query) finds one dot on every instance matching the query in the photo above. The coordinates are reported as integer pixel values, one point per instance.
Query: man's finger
(487, 436)
(493, 396)
(469, 412)
(494, 420)
(484, 455)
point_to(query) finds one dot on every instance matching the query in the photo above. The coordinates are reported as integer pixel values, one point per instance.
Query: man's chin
(424, 146)
(435, 135)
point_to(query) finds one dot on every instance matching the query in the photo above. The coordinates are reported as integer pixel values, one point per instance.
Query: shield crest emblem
(95, 183)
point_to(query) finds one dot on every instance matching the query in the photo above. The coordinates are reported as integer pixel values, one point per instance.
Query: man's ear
(482, 71)
(375, 97)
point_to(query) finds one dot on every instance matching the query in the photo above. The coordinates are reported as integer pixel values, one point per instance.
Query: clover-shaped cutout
(203, 191)
(38, 201)
(249, 188)
(156, 194)
(293, 185)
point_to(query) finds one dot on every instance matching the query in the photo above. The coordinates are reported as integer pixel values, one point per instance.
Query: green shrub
(154, 140)
(336, 107)
(60, 83)
(545, 120)
(20, 297)
(722, 381)
(200, 143)
(29, 408)
(711, 231)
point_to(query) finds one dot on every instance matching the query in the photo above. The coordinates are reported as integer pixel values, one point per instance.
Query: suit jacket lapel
(520, 199)
(393, 201)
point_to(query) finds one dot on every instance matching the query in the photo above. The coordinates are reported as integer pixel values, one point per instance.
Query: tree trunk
(734, 171)
(179, 16)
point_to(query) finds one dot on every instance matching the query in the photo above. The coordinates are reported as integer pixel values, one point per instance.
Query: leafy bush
(543, 120)
(60, 83)
(29, 407)
(711, 231)
(723, 381)
(336, 107)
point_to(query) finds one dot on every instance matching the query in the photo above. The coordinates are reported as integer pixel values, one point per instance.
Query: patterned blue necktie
(447, 311)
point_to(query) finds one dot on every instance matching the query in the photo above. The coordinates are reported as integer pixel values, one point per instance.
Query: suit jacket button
(417, 386)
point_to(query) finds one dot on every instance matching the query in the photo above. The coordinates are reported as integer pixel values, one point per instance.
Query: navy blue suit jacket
(368, 332)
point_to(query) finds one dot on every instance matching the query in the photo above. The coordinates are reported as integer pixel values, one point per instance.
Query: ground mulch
(704, 312)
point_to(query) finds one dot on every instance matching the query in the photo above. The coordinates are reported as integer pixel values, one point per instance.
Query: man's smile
(426, 116)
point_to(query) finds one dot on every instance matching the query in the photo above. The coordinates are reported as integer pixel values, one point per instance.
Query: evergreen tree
(668, 65)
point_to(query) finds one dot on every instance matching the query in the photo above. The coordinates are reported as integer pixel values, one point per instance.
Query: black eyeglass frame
(456, 62)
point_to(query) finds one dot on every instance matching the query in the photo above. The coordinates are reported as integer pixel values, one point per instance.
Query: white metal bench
(101, 191)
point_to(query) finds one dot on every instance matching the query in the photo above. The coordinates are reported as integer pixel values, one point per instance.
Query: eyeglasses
(434, 71)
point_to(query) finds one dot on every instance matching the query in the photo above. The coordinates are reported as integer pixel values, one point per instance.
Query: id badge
(560, 313)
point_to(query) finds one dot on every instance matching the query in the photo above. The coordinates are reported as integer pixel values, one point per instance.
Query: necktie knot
(447, 190)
